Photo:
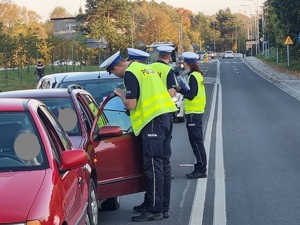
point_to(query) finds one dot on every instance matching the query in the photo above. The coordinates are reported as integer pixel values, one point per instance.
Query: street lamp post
(200, 36)
(132, 31)
(214, 36)
(73, 41)
(263, 39)
(251, 30)
(256, 25)
(236, 39)
(132, 43)
(180, 36)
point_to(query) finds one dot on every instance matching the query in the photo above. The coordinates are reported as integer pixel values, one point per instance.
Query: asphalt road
(252, 140)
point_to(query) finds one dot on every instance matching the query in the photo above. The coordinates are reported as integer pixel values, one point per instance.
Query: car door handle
(79, 180)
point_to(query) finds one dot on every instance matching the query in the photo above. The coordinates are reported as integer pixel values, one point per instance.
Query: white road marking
(197, 212)
(199, 199)
(186, 165)
(219, 199)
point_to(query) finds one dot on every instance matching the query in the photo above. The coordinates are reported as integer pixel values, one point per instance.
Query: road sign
(288, 41)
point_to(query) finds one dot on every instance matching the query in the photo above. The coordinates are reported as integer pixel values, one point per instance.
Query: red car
(116, 156)
(43, 179)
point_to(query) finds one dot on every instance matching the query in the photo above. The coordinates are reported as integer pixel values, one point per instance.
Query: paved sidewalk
(288, 82)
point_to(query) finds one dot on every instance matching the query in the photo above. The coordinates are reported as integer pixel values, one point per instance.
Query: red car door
(73, 182)
(118, 153)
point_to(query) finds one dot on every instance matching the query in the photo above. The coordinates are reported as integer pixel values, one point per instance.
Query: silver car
(228, 54)
(100, 84)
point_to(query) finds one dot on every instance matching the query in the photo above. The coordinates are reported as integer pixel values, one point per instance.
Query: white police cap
(190, 57)
(109, 63)
(165, 50)
(137, 54)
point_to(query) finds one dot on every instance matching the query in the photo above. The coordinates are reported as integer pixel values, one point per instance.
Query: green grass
(14, 79)
(281, 63)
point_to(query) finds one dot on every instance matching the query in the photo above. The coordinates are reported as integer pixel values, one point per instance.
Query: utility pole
(132, 31)
(73, 40)
(180, 38)
(251, 30)
(214, 36)
(198, 23)
(256, 25)
(236, 39)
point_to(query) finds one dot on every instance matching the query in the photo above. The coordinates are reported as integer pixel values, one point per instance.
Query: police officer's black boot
(147, 216)
(140, 208)
(197, 173)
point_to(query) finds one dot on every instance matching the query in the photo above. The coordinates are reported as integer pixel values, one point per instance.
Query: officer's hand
(178, 88)
(119, 92)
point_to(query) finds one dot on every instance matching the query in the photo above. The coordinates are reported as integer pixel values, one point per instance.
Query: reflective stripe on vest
(197, 105)
(154, 99)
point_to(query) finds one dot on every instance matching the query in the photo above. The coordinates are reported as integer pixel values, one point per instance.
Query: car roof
(90, 76)
(82, 75)
(17, 104)
(38, 93)
(58, 78)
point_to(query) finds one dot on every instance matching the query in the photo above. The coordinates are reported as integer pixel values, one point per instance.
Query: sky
(208, 7)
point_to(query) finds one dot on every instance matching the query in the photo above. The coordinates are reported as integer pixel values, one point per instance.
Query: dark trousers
(195, 134)
(39, 76)
(157, 135)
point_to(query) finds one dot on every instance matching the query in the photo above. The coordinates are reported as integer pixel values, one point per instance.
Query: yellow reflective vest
(154, 99)
(197, 105)
(162, 70)
(102, 119)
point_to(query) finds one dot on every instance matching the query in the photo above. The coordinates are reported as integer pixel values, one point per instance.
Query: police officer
(150, 104)
(194, 106)
(168, 78)
(137, 55)
(165, 71)
(39, 70)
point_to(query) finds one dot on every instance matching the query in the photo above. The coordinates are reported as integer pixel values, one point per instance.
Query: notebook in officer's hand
(183, 83)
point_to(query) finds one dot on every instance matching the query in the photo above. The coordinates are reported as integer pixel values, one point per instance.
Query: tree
(16, 19)
(59, 12)
(284, 18)
(111, 19)
(227, 24)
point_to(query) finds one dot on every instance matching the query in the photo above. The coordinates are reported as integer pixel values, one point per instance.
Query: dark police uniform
(161, 126)
(167, 75)
(194, 104)
(149, 119)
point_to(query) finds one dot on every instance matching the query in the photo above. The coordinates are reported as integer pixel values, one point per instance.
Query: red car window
(20, 143)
